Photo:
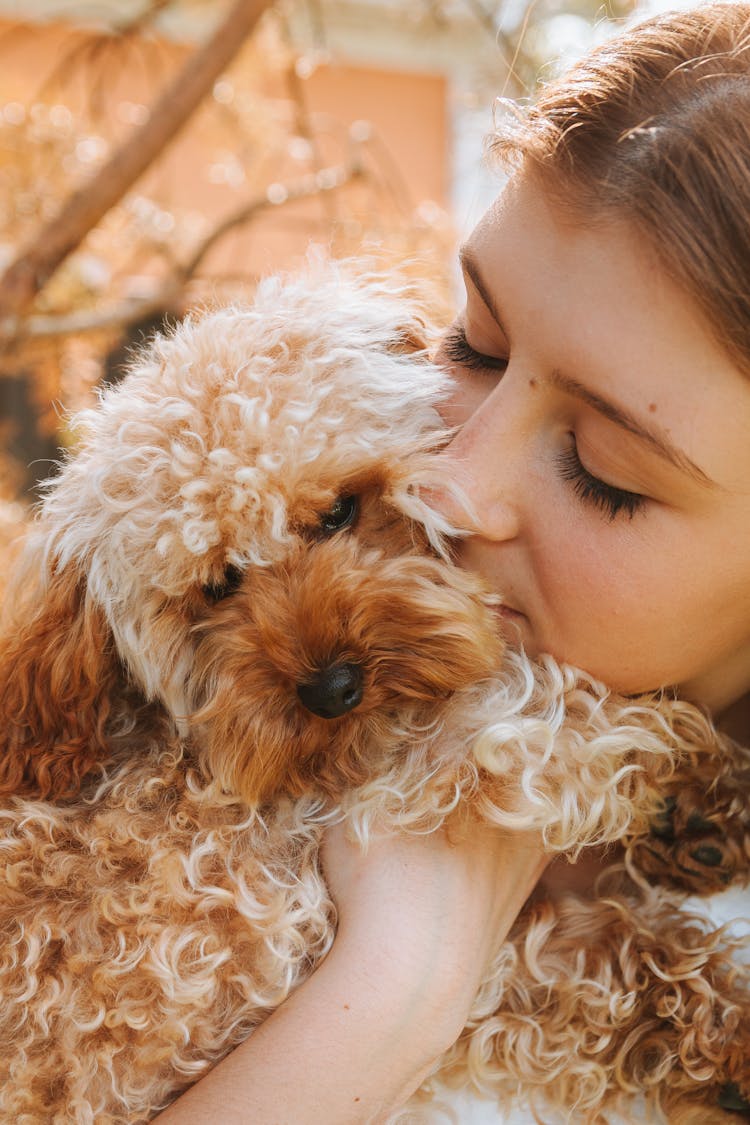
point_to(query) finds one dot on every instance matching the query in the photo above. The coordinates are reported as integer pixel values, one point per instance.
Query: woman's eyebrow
(472, 271)
(655, 438)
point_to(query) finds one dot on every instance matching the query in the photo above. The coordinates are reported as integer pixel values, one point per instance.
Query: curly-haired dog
(234, 625)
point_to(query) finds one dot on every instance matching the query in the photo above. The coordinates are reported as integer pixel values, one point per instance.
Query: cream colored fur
(166, 791)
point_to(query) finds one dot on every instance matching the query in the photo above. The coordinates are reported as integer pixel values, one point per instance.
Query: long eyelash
(612, 501)
(458, 350)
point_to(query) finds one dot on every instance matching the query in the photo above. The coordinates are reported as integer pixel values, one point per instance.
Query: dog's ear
(58, 671)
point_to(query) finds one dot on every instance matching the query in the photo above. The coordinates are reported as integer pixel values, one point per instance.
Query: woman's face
(605, 451)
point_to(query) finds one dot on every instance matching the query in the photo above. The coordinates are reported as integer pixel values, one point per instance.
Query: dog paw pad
(732, 1100)
(708, 855)
(698, 823)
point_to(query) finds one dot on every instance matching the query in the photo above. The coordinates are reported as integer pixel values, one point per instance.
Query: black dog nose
(333, 692)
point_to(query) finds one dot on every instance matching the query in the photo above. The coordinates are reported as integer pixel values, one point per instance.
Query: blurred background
(155, 154)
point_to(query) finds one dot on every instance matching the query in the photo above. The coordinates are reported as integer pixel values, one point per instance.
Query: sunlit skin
(605, 450)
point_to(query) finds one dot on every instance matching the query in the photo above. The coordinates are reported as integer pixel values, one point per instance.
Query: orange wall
(407, 111)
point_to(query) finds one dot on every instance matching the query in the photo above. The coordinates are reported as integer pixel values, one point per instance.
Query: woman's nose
(482, 466)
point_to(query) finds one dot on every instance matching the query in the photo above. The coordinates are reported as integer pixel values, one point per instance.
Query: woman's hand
(432, 910)
(419, 917)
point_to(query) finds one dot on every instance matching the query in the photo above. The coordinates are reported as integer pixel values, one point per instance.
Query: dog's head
(240, 537)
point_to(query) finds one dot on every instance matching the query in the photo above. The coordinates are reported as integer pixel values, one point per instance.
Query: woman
(603, 411)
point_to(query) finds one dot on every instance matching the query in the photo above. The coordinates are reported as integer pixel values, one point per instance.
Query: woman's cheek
(584, 594)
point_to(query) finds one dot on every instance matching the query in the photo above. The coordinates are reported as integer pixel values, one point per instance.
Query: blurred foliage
(265, 150)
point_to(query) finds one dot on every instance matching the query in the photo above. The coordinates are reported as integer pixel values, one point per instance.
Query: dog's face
(323, 662)
(242, 512)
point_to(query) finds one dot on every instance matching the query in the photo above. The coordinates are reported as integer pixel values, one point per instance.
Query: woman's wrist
(432, 911)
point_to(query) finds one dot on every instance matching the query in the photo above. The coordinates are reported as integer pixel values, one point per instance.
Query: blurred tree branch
(125, 313)
(37, 262)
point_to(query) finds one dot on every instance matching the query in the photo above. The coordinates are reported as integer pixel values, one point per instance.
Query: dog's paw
(693, 847)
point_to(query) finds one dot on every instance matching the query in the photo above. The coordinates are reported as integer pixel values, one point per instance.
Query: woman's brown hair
(655, 126)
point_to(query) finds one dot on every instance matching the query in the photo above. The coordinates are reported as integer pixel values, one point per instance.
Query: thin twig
(125, 313)
(37, 262)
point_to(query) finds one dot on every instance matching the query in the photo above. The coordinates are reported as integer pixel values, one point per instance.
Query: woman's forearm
(421, 918)
(335, 1052)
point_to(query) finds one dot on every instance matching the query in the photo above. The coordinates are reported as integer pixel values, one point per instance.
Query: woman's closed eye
(591, 490)
(456, 348)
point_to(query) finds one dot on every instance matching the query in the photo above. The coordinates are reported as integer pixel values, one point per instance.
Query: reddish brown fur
(58, 679)
(624, 980)
(416, 637)
(176, 911)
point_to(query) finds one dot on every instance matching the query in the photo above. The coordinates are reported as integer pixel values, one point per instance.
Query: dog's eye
(229, 584)
(341, 514)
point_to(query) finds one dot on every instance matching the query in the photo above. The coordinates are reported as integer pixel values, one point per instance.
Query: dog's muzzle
(333, 692)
